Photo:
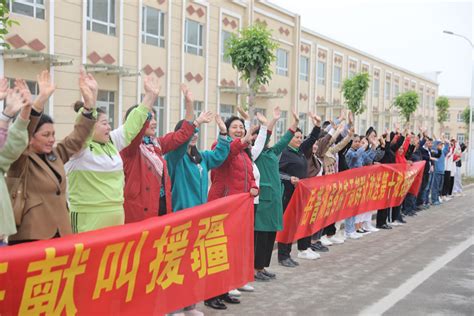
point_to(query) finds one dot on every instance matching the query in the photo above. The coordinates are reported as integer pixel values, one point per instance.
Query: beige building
(455, 126)
(182, 41)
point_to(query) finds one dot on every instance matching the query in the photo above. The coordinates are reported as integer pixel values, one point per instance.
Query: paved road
(425, 267)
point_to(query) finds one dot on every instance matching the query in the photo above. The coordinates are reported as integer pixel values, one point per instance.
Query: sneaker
(354, 235)
(246, 288)
(235, 292)
(325, 241)
(318, 246)
(314, 252)
(335, 240)
(269, 274)
(437, 203)
(294, 262)
(193, 312)
(369, 227)
(395, 223)
(261, 277)
(308, 255)
(287, 263)
(363, 231)
(448, 198)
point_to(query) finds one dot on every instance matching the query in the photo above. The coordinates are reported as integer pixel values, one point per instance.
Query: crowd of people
(97, 177)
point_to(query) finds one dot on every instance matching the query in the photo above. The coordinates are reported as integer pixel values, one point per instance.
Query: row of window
(460, 137)
(459, 117)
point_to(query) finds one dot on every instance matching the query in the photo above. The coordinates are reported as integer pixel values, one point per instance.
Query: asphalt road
(425, 267)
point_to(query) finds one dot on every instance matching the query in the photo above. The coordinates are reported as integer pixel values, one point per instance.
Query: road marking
(412, 283)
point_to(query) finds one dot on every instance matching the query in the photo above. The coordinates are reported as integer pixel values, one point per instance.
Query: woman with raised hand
(147, 177)
(45, 214)
(269, 210)
(95, 175)
(188, 169)
(16, 100)
(238, 167)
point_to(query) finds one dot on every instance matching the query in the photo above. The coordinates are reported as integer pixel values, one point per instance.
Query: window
(459, 117)
(447, 135)
(376, 87)
(337, 77)
(282, 62)
(396, 90)
(460, 138)
(33, 8)
(280, 127)
(153, 27)
(193, 37)
(448, 117)
(363, 127)
(352, 73)
(101, 16)
(226, 111)
(304, 68)
(198, 108)
(420, 98)
(224, 37)
(105, 101)
(376, 125)
(303, 125)
(321, 73)
(387, 90)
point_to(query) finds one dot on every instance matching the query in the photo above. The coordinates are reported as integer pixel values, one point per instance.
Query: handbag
(17, 190)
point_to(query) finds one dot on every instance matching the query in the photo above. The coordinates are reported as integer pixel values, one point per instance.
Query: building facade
(183, 41)
(454, 127)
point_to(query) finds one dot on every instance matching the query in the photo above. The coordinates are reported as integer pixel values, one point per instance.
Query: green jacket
(269, 211)
(16, 143)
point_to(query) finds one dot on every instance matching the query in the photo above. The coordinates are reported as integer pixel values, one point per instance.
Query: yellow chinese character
(124, 277)
(316, 206)
(169, 251)
(209, 254)
(3, 269)
(41, 292)
(308, 208)
(383, 186)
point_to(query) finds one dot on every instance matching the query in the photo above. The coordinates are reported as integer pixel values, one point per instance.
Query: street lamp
(470, 166)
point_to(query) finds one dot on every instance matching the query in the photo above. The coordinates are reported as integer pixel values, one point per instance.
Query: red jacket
(142, 184)
(400, 154)
(235, 175)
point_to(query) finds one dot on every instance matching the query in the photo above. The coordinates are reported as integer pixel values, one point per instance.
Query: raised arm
(259, 144)
(123, 136)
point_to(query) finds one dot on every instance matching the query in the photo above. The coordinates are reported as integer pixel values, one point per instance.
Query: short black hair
(133, 107)
(231, 119)
(44, 119)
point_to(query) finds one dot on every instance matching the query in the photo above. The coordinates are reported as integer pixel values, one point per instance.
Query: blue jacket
(439, 165)
(360, 157)
(189, 181)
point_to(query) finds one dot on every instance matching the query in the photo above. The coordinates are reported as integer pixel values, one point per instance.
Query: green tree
(252, 53)
(466, 116)
(442, 105)
(5, 23)
(406, 103)
(354, 90)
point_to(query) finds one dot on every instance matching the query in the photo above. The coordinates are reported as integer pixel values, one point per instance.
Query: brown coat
(46, 211)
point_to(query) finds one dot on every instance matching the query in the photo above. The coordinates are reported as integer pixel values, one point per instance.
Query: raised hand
(188, 95)
(276, 113)
(351, 130)
(315, 118)
(151, 85)
(351, 118)
(16, 100)
(3, 88)
(262, 119)
(89, 89)
(204, 117)
(245, 115)
(24, 90)
(249, 136)
(220, 123)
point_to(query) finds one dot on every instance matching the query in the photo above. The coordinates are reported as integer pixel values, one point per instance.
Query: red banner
(152, 267)
(320, 201)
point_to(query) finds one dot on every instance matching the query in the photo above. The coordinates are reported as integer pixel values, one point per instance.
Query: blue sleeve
(174, 157)
(351, 158)
(369, 157)
(446, 149)
(215, 158)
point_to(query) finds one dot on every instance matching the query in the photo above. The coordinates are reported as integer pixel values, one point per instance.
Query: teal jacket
(189, 181)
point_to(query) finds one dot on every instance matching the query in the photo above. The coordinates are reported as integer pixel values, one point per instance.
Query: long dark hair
(78, 105)
(44, 119)
(194, 153)
(229, 121)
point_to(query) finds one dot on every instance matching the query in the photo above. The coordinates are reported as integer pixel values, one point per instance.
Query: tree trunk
(252, 92)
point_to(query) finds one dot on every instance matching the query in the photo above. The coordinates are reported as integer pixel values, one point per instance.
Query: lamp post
(470, 165)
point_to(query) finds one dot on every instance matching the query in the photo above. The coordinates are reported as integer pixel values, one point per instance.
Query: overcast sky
(405, 33)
